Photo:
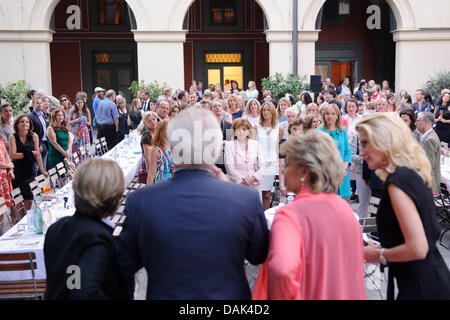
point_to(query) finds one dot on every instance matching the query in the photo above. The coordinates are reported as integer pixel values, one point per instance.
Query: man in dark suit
(40, 127)
(345, 84)
(194, 231)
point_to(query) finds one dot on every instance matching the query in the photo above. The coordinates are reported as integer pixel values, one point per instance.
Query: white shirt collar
(109, 223)
(423, 136)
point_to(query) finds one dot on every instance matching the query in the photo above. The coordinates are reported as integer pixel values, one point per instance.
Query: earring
(302, 183)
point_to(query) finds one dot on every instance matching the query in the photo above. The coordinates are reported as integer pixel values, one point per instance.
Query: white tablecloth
(127, 155)
(445, 173)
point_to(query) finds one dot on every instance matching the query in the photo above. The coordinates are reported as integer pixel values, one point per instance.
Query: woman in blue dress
(332, 124)
(160, 167)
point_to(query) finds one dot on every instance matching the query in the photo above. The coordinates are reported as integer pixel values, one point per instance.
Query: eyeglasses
(63, 100)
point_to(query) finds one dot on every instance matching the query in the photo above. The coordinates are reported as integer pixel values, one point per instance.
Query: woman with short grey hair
(316, 245)
(85, 239)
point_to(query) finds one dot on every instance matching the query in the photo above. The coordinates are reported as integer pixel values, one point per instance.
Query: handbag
(142, 174)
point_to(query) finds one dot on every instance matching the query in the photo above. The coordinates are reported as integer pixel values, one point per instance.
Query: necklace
(268, 130)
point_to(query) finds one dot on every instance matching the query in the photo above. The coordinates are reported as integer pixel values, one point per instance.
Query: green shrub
(153, 88)
(279, 85)
(15, 93)
(436, 83)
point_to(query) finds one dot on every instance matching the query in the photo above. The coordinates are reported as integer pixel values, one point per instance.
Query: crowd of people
(330, 148)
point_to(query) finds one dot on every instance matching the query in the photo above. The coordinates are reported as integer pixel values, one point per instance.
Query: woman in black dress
(406, 218)
(442, 118)
(124, 119)
(135, 113)
(24, 148)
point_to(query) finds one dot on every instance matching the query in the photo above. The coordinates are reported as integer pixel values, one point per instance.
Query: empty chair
(53, 176)
(18, 206)
(31, 289)
(104, 145)
(373, 205)
(4, 217)
(62, 173)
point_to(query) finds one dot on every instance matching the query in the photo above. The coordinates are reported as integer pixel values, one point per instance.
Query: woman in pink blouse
(243, 157)
(316, 246)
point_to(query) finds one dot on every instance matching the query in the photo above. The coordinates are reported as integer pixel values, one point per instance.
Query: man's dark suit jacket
(38, 129)
(192, 234)
(89, 244)
(339, 90)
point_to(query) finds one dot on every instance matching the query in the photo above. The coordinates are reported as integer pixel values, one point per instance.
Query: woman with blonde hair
(160, 165)
(60, 145)
(252, 111)
(332, 124)
(135, 113)
(316, 245)
(282, 106)
(234, 109)
(252, 92)
(269, 134)
(406, 221)
(312, 108)
(148, 124)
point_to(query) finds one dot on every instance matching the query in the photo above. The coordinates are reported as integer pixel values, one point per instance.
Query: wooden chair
(42, 181)
(373, 205)
(76, 160)
(53, 175)
(19, 205)
(82, 153)
(4, 209)
(368, 225)
(23, 289)
(442, 200)
(104, 145)
(34, 186)
(98, 148)
(71, 168)
(62, 173)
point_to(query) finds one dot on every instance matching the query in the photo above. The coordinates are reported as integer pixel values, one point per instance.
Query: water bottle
(290, 197)
(37, 220)
(115, 154)
(30, 227)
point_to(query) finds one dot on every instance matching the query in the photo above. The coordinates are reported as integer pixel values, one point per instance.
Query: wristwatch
(383, 260)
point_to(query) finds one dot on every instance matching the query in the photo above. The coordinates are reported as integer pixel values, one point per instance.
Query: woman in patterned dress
(80, 122)
(160, 164)
(6, 175)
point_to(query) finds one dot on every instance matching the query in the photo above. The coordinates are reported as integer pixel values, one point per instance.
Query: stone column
(307, 52)
(26, 56)
(280, 51)
(419, 55)
(161, 57)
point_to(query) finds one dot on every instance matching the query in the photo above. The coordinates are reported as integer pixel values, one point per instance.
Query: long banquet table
(129, 157)
(445, 172)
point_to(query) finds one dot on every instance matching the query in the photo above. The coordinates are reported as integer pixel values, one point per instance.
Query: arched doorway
(351, 43)
(225, 41)
(92, 46)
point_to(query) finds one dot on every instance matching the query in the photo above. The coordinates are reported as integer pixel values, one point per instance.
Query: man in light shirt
(430, 142)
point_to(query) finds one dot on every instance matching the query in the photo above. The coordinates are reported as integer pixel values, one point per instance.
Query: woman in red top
(316, 247)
